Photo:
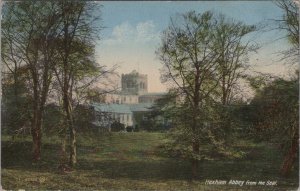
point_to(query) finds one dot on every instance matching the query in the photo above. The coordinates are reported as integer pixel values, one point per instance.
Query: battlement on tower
(134, 83)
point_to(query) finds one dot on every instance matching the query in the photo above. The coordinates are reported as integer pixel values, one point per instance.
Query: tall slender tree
(203, 55)
(233, 45)
(189, 59)
(75, 57)
(52, 39)
(32, 27)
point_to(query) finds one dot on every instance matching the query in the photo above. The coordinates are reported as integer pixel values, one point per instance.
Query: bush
(129, 129)
(117, 126)
(136, 129)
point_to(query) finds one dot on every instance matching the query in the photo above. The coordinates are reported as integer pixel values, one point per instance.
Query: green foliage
(142, 121)
(275, 117)
(160, 115)
(117, 126)
(94, 95)
(204, 56)
(16, 106)
(52, 38)
(83, 116)
(208, 132)
(53, 122)
(187, 56)
(129, 128)
(275, 111)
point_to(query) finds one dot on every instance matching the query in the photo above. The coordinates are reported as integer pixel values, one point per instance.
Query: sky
(132, 33)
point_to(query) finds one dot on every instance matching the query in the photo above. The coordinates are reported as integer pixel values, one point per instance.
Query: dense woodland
(50, 74)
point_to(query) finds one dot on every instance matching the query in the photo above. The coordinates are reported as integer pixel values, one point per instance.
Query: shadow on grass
(159, 170)
(172, 169)
(17, 155)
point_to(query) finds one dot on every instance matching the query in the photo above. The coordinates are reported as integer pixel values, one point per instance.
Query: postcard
(150, 95)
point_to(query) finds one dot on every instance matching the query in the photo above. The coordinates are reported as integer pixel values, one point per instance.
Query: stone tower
(134, 83)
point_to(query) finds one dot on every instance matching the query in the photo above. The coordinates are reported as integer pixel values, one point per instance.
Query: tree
(233, 46)
(290, 24)
(275, 114)
(75, 58)
(10, 55)
(160, 115)
(28, 42)
(52, 39)
(204, 56)
(15, 102)
(189, 59)
(233, 49)
(288, 108)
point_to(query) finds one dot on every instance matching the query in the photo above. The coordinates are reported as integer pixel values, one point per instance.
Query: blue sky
(132, 33)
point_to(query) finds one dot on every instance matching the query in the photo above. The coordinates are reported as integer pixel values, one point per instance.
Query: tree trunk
(73, 154)
(195, 143)
(225, 123)
(290, 157)
(63, 155)
(72, 131)
(195, 162)
(36, 136)
(63, 144)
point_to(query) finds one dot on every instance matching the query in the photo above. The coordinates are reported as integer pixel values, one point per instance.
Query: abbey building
(129, 105)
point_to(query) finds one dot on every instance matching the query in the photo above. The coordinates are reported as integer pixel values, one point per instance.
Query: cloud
(143, 32)
(119, 34)
(146, 32)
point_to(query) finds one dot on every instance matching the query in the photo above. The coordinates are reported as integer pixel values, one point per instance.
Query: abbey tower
(134, 83)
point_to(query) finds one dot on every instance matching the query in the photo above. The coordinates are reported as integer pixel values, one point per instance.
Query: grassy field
(134, 161)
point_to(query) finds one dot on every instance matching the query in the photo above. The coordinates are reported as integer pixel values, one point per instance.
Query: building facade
(133, 100)
(121, 99)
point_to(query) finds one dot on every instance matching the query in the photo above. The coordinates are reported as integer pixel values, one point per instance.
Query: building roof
(121, 108)
(153, 94)
(140, 107)
(112, 108)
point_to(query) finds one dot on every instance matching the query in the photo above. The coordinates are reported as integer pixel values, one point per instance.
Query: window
(144, 117)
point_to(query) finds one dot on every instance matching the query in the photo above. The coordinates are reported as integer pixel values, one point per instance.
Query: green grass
(134, 161)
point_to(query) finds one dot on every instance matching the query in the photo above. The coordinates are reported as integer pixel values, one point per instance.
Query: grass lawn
(134, 161)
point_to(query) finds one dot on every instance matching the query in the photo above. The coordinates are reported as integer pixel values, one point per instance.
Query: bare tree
(290, 24)
(32, 27)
